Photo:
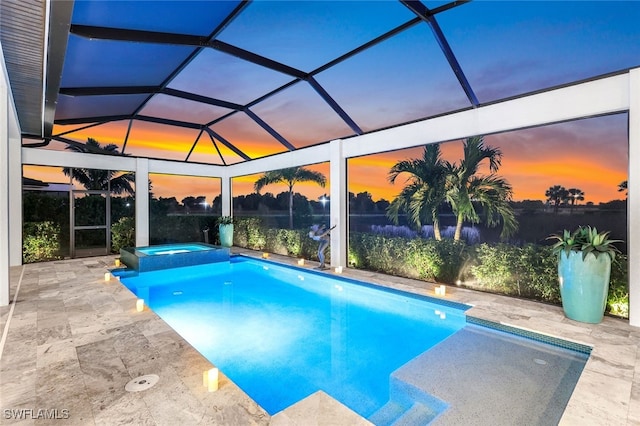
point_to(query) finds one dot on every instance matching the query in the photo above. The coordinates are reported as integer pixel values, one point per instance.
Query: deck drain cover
(142, 383)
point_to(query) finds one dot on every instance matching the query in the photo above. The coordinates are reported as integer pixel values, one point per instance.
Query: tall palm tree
(575, 195)
(493, 194)
(425, 192)
(556, 195)
(290, 176)
(466, 189)
(102, 180)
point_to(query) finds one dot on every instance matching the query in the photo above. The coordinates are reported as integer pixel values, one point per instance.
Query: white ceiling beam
(300, 157)
(45, 157)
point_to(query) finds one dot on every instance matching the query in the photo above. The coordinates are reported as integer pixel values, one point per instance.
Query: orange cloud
(243, 185)
(590, 154)
(184, 186)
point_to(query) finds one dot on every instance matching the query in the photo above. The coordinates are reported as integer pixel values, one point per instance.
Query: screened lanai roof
(221, 82)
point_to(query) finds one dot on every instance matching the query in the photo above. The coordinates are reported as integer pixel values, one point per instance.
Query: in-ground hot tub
(165, 256)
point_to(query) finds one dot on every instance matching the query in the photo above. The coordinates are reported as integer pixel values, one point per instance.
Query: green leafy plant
(41, 241)
(123, 234)
(225, 220)
(529, 271)
(585, 239)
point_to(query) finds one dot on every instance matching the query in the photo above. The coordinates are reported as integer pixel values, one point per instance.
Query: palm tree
(466, 189)
(622, 186)
(556, 194)
(96, 179)
(422, 197)
(574, 195)
(290, 176)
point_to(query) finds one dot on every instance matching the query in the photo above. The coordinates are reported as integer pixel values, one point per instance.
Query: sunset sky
(589, 154)
(505, 48)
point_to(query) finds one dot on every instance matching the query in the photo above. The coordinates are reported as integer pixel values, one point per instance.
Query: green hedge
(252, 233)
(40, 241)
(430, 260)
(529, 271)
(123, 234)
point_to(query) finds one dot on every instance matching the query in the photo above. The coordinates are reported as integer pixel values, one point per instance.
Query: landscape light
(212, 380)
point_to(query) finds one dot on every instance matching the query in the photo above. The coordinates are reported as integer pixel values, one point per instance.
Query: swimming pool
(281, 333)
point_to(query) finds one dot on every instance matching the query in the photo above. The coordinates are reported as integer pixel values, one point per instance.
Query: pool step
(394, 414)
(407, 406)
(417, 414)
(388, 413)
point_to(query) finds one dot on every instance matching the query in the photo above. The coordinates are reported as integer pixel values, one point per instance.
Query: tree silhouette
(362, 202)
(465, 189)
(575, 195)
(425, 191)
(556, 194)
(290, 176)
(102, 180)
(622, 186)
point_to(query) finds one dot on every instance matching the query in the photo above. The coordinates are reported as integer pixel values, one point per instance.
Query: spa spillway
(165, 256)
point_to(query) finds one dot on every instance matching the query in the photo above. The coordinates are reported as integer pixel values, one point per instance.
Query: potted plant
(225, 228)
(584, 268)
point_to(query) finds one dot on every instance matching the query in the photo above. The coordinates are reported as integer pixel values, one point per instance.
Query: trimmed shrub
(250, 233)
(40, 241)
(618, 300)
(123, 234)
(425, 259)
(529, 271)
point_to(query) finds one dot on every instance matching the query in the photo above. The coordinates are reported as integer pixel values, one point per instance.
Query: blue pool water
(282, 333)
(171, 249)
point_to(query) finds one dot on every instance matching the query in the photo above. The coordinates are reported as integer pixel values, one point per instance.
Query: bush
(41, 241)
(249, 232)
(252, 233)
(529, 271)
(123, 234)
(618, 300)
(425, 259)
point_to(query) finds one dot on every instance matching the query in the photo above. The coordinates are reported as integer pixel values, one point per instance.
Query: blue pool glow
(171, 249)
(283, 333)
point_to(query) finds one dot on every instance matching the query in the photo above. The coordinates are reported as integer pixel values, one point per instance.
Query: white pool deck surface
(72, 341)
